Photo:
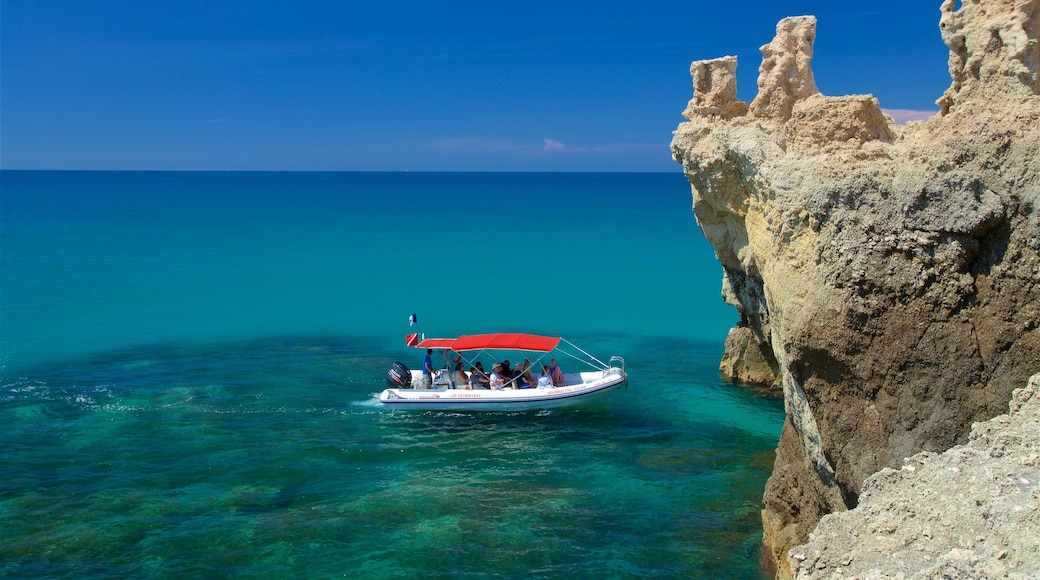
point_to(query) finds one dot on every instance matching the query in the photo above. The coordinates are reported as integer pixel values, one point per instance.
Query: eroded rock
(970, 512)
(891, 272)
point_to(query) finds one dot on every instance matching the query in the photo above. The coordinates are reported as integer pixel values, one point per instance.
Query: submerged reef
(887, 277)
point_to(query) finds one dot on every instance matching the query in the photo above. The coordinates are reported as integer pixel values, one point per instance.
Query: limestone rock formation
(785, 76)
(971, 512)
(745, 361)
(711, 99)
(889, 274)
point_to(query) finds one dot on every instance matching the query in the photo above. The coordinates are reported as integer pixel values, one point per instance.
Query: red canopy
(498, 341)
(435, 343)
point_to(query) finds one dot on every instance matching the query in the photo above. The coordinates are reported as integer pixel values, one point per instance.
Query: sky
(388, 85)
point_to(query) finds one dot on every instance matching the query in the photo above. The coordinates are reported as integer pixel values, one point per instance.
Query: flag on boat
(412, 319)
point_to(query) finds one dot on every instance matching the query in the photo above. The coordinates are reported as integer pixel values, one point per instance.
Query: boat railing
(620, 362)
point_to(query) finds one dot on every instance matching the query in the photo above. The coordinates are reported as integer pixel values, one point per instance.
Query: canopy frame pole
(579, 349)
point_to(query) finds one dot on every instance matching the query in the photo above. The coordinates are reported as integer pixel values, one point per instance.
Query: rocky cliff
(971, 512)
(887, 277)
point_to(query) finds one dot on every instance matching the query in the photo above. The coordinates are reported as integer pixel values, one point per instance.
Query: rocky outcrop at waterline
(887, 277)
(971, 512)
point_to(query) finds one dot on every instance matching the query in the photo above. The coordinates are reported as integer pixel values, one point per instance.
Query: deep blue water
(189, 359)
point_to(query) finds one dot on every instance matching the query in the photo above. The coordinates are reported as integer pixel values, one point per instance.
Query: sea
(189, 363)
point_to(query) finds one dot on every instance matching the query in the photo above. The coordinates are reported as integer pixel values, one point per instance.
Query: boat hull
(591, 392)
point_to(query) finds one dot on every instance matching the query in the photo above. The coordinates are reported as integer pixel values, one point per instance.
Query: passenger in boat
(455, 358)
(545, 379)
(507, 373)
(496, 379)
(427, 369)
(461, 378)
(528, 374)
(478, 379)
(556, 373)
(523, 373)
(518, 376)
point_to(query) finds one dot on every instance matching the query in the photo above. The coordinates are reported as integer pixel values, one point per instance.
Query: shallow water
(165, 447)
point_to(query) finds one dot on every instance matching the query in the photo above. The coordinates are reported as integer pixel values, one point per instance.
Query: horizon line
(319, 171)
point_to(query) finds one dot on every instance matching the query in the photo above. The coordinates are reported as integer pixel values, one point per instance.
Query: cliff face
(887, 277)
(970, 512)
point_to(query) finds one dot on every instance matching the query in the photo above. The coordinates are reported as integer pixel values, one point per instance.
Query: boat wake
(370, 403)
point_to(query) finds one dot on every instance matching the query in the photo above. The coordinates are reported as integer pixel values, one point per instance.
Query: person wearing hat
(496, 377)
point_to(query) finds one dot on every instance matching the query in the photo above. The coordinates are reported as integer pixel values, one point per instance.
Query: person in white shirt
(496, 377)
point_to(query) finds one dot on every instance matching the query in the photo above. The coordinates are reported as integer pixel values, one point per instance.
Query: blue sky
(423, 86)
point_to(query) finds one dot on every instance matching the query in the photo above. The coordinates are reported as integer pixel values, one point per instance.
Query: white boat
(593, 382)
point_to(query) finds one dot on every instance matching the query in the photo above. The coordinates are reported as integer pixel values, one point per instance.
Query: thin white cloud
(609, 148)
(904, 116)
(553, 145)
(481, 145)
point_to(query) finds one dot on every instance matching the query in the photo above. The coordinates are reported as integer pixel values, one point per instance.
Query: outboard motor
(399, 377)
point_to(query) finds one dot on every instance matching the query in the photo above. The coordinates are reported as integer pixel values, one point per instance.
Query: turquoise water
(189, 360)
